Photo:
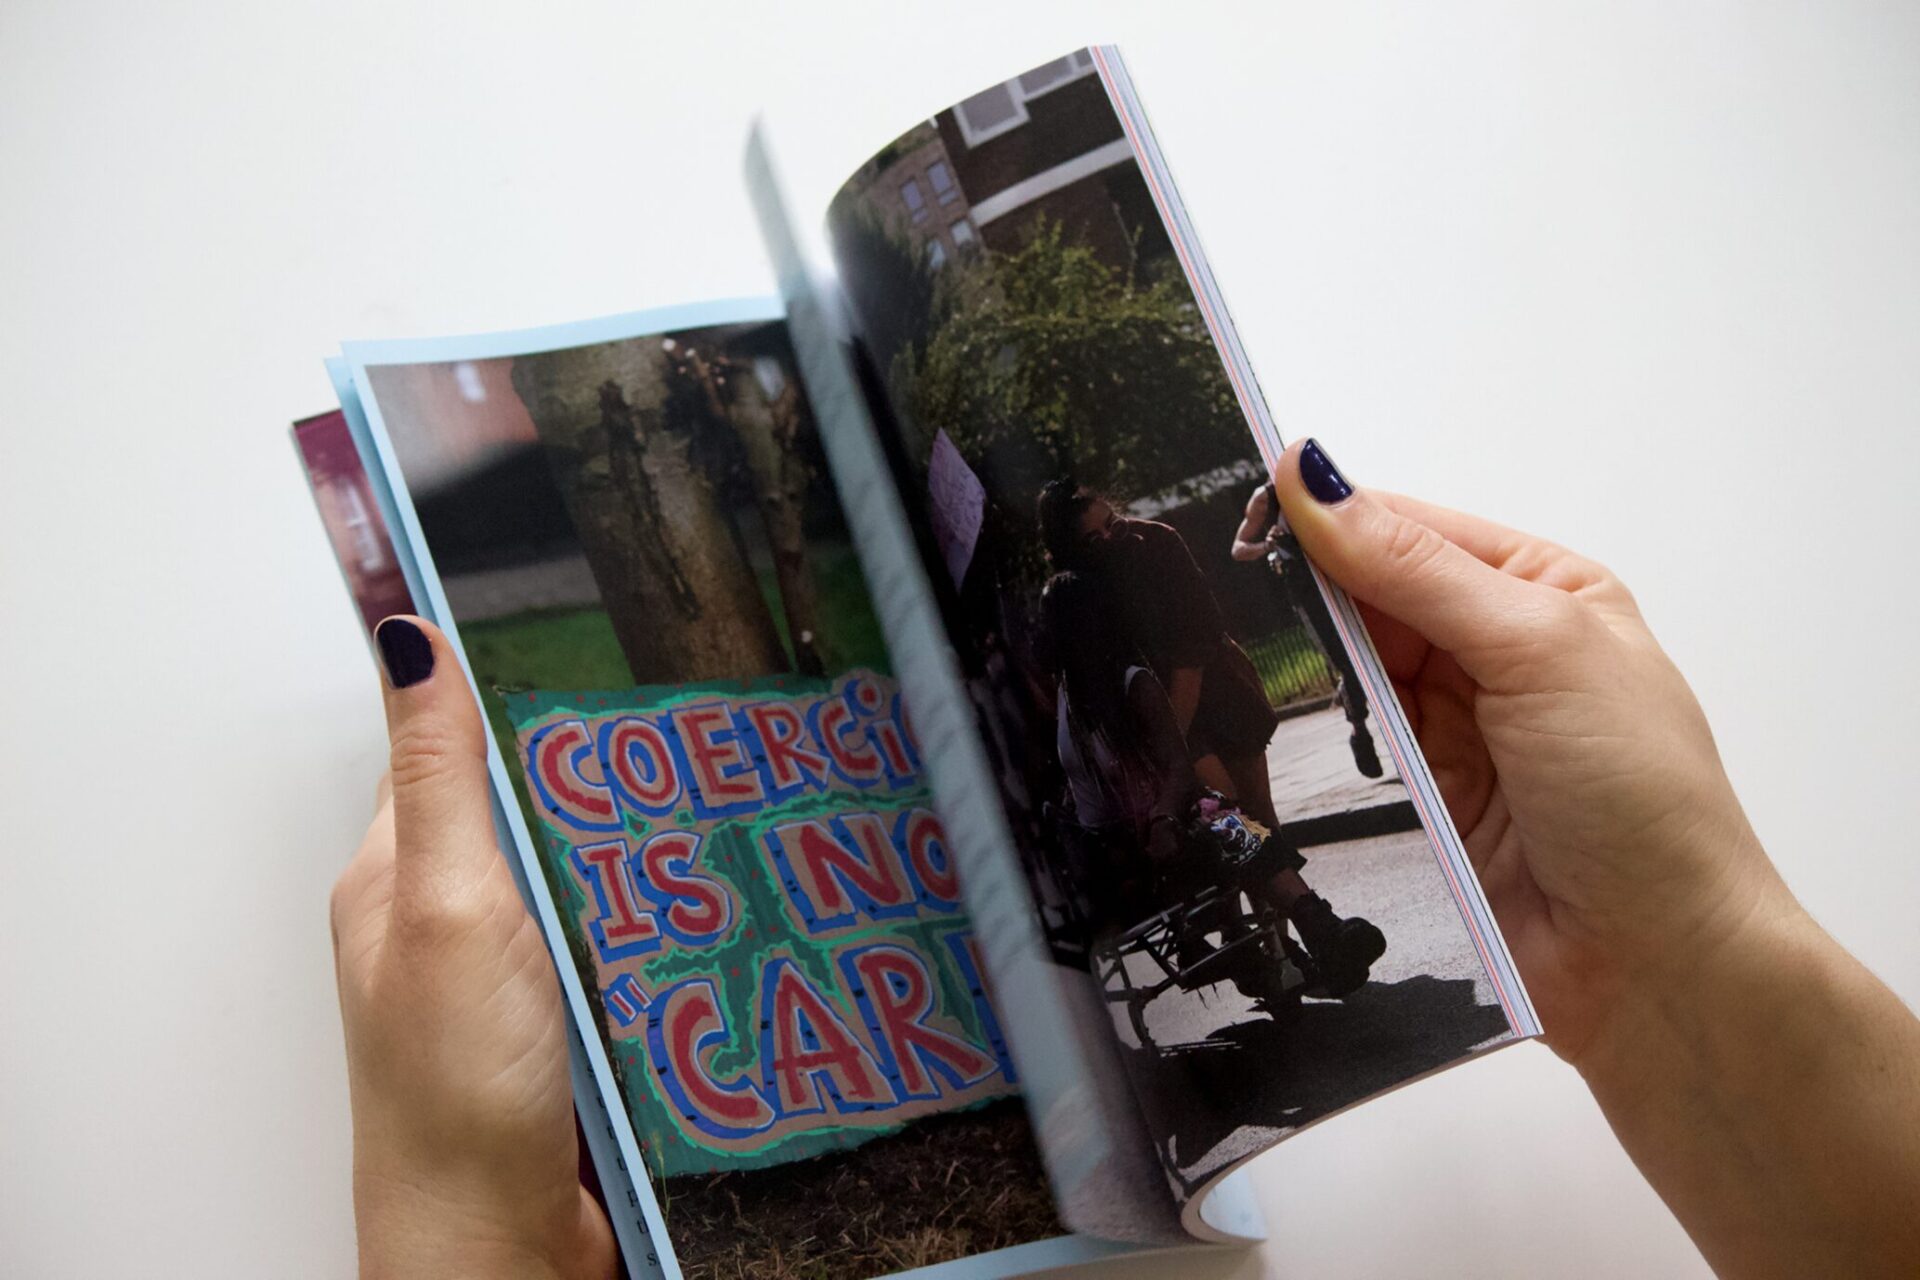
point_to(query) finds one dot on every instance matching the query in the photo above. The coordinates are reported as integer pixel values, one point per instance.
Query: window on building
(962, 233)
(936, 254)
(1046, 76)
(371, 556)
(941, 179)
(1053, 74)
(916, 203)
(467, 378)
(992, 112)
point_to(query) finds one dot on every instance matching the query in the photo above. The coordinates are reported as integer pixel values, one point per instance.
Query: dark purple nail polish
(405, 651)
(1322, 478)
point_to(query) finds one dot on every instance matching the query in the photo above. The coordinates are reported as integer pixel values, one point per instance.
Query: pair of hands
(1574, 759)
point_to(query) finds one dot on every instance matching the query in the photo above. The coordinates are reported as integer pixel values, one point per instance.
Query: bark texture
(766, 427)
(682, 598)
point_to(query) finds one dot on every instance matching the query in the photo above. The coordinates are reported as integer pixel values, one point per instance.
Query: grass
(1290, 666)
(945, 1187)
(576, 649)
(849, 633)
(547, 649)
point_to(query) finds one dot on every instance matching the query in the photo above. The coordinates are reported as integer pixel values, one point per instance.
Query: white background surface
(1643, 277)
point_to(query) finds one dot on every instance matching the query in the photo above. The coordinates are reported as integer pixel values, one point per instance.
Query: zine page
(628, 530)
(1228, 837)
(350, 513)
(1107, 1182)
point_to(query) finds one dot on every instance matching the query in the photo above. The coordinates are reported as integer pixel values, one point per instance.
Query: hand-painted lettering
(896, 993)
(640, 762)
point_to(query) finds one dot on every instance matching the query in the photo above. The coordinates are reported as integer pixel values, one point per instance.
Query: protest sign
(770, 908)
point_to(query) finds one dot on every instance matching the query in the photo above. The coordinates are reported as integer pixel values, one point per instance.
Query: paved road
(561, 583)
(1312, 768)
(1229, 1081)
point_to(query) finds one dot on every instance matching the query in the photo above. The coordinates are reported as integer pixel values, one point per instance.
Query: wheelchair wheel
(1137, 1014)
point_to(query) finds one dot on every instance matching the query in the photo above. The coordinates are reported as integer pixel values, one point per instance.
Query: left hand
(465, 1157)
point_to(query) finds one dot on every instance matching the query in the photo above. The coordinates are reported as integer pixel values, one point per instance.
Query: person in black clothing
(1164, 605)
(1133, 782)
(1263, 535)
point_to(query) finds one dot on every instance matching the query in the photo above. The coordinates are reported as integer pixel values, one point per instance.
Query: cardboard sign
(956, 506)
(770, 910)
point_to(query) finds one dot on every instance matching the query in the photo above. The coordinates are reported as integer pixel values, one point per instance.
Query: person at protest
(1128, 767)
(1263, 535)
(1765, 1082)
(1164, 604)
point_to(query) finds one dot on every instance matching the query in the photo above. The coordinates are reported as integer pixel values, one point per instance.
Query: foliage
(1048, 361)
(1290, 666)
(888, 279)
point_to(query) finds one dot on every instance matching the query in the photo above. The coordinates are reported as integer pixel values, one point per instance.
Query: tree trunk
(766, 426)
(682, 599)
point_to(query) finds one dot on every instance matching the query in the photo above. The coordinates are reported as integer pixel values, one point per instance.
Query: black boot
(1365, 758)
(1342, 950)
(1360, 742)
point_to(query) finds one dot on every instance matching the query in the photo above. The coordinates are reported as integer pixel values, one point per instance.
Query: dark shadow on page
(1242, 1087)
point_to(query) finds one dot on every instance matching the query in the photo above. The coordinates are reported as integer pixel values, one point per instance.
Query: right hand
(1573, 757)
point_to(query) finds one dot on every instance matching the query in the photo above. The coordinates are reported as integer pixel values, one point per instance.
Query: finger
(1522, 555)
(1497, 626)
(442, 802)
(1480, 537)
(383, 790)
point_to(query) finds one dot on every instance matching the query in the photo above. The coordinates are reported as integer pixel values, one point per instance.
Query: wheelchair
(1190, 926)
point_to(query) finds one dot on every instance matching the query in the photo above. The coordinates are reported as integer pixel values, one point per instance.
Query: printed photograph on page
(652, 580)
(351, 516)
(1214, 828)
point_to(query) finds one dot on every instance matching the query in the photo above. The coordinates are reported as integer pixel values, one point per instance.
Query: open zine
(966, 828)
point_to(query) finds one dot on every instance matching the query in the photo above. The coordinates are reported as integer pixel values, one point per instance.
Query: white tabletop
(1642, 277)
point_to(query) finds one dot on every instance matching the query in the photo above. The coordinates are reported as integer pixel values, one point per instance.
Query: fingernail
(405, 651)
(1322, 478)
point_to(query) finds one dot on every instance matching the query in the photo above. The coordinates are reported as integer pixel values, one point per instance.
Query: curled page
(1098, 1153)
(1227, 835)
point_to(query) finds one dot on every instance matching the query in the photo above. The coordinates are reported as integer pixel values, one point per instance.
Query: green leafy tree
(887, 277)
(1049, 361)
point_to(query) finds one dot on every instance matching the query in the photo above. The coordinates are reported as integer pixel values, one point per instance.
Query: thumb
(1492, 623)
(444, 841)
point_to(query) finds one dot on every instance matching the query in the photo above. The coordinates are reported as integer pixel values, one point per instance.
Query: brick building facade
(1045, 144)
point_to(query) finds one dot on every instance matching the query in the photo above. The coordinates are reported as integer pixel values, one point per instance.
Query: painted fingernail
(1322, 478)
(405, 651)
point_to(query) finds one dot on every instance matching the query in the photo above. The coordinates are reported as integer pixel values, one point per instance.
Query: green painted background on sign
(765, 927)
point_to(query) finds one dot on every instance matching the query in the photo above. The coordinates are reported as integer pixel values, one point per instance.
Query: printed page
(356, 531)
(1097, 1150)
(1227, 830)
(627, 528)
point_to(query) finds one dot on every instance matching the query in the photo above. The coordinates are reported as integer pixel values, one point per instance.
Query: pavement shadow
(1223, 1096)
